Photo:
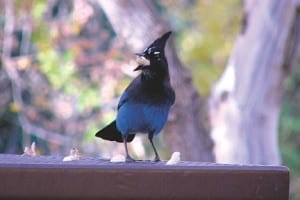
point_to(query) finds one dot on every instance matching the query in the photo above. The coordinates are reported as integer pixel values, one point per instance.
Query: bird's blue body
(141, 118)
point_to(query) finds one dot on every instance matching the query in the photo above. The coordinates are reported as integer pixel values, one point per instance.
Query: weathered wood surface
(25, 177)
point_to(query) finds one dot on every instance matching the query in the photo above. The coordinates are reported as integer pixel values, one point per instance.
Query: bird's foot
(156, 159)
(129, 159)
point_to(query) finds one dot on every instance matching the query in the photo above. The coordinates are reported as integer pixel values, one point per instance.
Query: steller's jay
(145, 103)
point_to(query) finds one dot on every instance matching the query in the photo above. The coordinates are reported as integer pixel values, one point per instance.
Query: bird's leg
(128, 158)
(150, 137)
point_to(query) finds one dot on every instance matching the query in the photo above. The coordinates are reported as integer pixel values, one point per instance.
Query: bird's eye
(149, 50)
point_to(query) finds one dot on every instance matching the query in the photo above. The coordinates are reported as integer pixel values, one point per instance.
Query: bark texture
(138, 22)
(245, 101)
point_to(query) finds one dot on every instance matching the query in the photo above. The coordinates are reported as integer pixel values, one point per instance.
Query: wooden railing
(47, 177)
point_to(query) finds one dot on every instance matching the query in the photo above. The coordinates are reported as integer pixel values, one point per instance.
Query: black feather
(111, 133)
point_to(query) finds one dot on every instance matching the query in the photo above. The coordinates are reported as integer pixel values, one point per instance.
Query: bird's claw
(156, 159)
(129, 159)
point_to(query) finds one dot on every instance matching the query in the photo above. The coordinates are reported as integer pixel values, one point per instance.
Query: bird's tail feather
(110, 132)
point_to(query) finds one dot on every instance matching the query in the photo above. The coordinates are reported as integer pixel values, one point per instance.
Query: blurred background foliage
(63, 69)
(206, 31)
(289, 130)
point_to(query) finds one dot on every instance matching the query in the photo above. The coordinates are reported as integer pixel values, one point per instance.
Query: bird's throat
(155, 76)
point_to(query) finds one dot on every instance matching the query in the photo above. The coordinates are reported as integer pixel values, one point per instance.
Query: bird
(144, 106)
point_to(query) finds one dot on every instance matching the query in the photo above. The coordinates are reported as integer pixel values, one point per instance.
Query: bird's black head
(155, 52)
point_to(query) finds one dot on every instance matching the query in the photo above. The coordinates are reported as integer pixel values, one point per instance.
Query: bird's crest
(152, 51)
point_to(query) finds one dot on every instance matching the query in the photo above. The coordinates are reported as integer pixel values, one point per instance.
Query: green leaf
(39, 7)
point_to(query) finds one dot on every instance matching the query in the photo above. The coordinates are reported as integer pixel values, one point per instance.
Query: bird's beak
(140, 67)
(142, 61)
(140, 54)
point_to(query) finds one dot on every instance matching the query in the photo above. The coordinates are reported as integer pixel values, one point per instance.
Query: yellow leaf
(14, 107)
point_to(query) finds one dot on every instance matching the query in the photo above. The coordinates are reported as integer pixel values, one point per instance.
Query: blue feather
(141, 118)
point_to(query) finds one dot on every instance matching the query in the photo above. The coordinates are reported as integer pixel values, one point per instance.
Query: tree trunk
(139, 23)
(245, 101)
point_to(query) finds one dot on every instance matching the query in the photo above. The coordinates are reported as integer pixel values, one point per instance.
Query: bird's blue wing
(123, 99)
(127, 94)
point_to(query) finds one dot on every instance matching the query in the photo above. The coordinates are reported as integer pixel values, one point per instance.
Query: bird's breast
(142, 118)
